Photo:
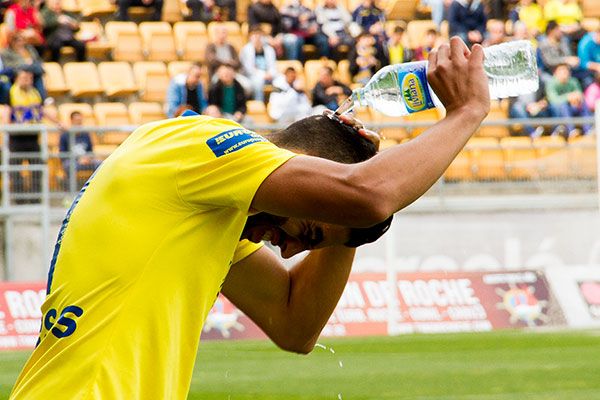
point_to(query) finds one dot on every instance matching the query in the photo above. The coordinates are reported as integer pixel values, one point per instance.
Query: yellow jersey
(140, 259)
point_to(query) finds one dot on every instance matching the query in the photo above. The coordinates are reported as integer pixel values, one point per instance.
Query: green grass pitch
(471, 366)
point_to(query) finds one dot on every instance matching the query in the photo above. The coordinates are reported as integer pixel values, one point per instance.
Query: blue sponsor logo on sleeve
(233, 140)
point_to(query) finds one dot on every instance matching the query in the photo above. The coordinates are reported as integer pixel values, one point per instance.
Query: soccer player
(155, 235)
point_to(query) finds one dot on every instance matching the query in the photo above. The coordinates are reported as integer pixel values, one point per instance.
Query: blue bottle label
(415, 90)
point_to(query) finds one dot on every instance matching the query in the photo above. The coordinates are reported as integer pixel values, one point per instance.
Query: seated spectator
(24, 17)
(531, 14)
(566, 97)
(438, 7)
(369, 17)
(301, 21)
(288, 102)
(227, 94)
(467, 20)
(81, 149)
(259, 62)
(156, 5)
(398, 52)
(25, 108)
(59, 30)
(365, 58)
(221, 52)
(328, 93)
(334, 21)
(431, 40)
(555, 51)
(265, 12)
(588, 51)
(531, 105)
(496, 33)
(186, 91)
(521, 32)
(19, 55)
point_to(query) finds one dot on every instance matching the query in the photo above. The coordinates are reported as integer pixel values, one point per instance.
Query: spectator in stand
(397, 51)
(289, 103)
(588, 51)
(369, 17)
(265, 12)
(531, 105)
(592, 94)
(335, 20)
(521, 32)
(82, 148)
(185, 91)
(566, 97)
(328, 93)
(554, 50)
(438, 8)
(496, 33)
(24, 17)
(467, 20)
(365, 58)
(19, 55)
(59, 30)
(431, 40)
(301, 21)
(25, 108)
(529, 12)
(259, 62)
(156, 5)
(227, 94)
(221, 52)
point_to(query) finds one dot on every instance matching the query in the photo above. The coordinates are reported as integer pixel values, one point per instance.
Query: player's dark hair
(323, 137)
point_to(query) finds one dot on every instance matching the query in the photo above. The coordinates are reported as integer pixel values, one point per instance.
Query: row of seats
(520, 158)
(150, 79)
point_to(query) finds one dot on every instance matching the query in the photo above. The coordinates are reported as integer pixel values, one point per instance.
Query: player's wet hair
(323, 137)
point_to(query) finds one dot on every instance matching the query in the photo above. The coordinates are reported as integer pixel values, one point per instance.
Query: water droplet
(321, 346)
(331, 350)
(340, 396)
(341, 365)
(226, 374)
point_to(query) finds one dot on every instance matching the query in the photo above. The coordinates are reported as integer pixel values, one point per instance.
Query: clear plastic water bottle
(401, 89)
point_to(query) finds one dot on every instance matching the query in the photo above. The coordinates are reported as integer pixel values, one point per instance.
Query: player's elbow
(371, 205)
(296, 346)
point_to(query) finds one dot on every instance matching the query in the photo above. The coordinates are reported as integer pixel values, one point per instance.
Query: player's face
(293, 235)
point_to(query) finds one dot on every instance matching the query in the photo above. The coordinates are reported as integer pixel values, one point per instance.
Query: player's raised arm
(366, 193)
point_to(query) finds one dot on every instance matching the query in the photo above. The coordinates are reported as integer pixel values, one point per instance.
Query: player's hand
(458, 78)
(350, 120)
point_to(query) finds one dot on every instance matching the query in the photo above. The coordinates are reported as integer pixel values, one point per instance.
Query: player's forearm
(401, 174)
(316, 284)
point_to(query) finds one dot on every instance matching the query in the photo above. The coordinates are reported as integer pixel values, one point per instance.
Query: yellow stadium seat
(54, 80)
(343, 72)
(257, 112)
(520, 157)
(65, 110)
(112, 114)
(117, 78)
(416, 30)
(498, 111)
(583, 156)
(153, 80)
(82, 79)
(144, 112)
(191, 39)
(487, 158)
(71, 6)
(177, 67)
(97, 45)
(401, 9)
(282, 65)
(552, 156)
(591, 8)
(396, 133)
(157, 41)
(363, 114)
(125, 39)
(172, 11)
(431, 115)
(96, 8)
(312, 68)
(460, 169)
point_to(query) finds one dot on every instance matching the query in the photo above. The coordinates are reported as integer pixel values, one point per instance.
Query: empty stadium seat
(125, 39)
(178, 67)
(520, 157)
(257, 111)
(82, 79)
(401, 9)
(158, 43)
(92, 33)
(590, 8)
(191, 39)
(460, 169)
(172, 11)
(583, 156)
(396, 133)
(431, 115)
(153, 79)
(498, 111)
(112, 114)
(486, 158)
(343, 72)
(552, 156)
(416, 30)
(54, 80)
(117, 78)
(144, 112)
(96, 8)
